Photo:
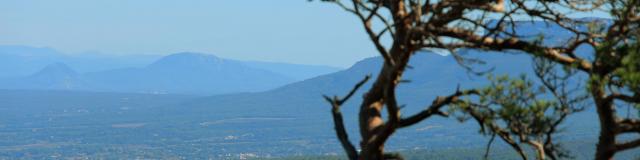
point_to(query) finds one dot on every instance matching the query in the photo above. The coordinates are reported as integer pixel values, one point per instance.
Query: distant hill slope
(16, 60)
(192, 73)
(187, 73)
(432, 75)
(297, 111)
(21, 60)
(53, 76)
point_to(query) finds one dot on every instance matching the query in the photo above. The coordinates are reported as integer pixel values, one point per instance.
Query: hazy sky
(293, 31)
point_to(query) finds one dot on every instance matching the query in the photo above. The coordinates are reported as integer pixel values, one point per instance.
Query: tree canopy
(520, 110)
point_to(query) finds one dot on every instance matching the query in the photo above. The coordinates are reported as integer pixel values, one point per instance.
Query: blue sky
(294, 31)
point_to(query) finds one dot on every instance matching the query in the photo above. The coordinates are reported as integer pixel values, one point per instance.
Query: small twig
(486, 153)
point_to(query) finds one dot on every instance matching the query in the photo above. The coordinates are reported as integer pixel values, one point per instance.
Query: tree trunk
(605, 149)
(372, 153)
(370, 116)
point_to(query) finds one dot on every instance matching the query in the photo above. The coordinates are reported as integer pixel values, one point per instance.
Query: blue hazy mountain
(184, 73)
(97, 61)
(190, 73)
(16, 60)
(54, 76)
(51, 77)
(24, 67)
(22, 60)
(431, 75)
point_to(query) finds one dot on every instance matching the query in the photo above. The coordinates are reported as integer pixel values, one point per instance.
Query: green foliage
(523, 111)
(629, 70)
(516, 102)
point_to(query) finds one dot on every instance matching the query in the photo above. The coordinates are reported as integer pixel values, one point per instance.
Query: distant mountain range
(16, 60)
(291, 118)
(298, 111)
(431, 75)
(183, 73)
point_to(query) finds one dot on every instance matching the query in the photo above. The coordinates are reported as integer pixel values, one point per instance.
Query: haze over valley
(182, 106)
(302, 80)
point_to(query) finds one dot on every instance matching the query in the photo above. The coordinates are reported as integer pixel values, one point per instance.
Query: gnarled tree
(414, 25)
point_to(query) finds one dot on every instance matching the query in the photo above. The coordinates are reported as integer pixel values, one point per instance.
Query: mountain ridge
(182, 73)
(21, 60)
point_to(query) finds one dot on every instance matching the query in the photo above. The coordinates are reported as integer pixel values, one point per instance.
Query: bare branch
(628, 125)
(342, 134)
(627, 145)
(630, 99)
(366, 21)
(555, 54)
(488, 148)
(434, 108)
(338, 121)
